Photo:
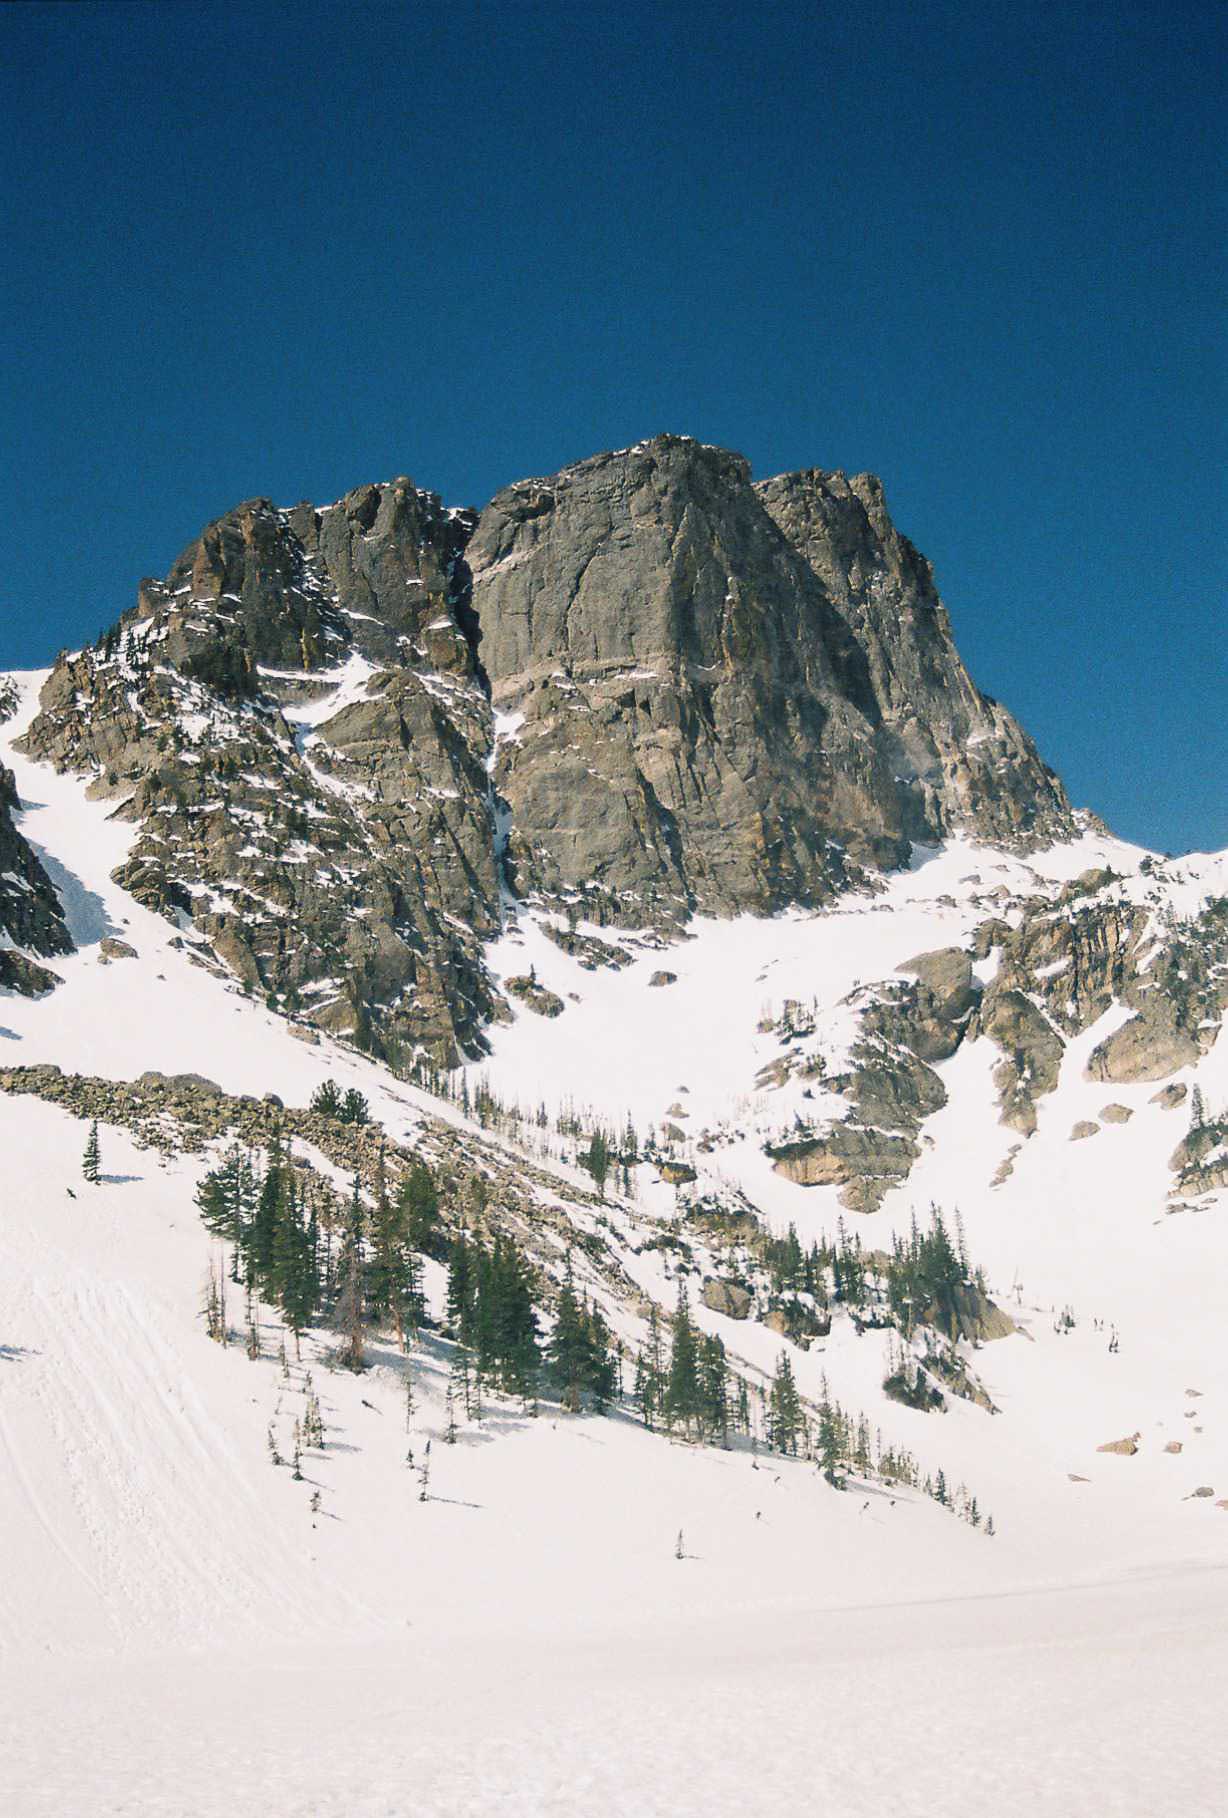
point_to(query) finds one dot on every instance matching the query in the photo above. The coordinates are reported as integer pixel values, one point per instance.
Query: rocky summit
(464, 976)
(639, 689)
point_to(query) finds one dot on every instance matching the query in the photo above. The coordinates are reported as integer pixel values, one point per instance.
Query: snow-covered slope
(184, 1634)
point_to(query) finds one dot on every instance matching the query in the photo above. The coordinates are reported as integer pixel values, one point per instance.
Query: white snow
(178, 1635)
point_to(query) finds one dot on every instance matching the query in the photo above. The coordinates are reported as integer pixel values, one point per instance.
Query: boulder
(116, 949)
(676, 1174)
(988, 935)
(946, 975)
(534, 997)
(1169, 1097)
(1124, 1448)
(1082, 1129)
(1150, 1046)
(663, 978)
(1116, 1114)
(728, 1297)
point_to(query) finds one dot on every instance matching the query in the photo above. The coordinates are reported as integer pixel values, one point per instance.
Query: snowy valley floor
(1107, 1699)
(180, 1637)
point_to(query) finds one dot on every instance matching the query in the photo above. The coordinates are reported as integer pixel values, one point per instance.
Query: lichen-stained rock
(963, 760)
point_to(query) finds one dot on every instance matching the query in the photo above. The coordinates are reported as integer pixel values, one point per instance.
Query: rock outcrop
(638, 689)
(31, 916)
(961, 759)
(296, 720)
(700, 716)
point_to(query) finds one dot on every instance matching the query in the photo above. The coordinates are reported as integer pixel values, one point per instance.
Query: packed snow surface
(181, 1634)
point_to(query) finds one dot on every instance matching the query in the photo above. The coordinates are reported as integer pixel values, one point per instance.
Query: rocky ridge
(637, 690)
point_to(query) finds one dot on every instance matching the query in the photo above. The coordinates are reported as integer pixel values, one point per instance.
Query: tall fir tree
(91, 1162)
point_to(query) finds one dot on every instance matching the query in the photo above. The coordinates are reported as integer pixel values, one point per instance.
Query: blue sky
(980, 250)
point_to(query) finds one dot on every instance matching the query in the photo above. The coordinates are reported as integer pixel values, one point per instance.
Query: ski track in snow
(180, 1637)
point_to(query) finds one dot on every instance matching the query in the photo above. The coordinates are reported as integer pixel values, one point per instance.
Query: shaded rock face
(296, 721)
(962, 759)
(31, 916)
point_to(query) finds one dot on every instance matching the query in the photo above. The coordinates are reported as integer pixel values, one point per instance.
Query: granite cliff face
(636, 690)
(727, 697)
(960, 759)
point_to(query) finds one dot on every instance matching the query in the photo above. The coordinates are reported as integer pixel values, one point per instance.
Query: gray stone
(728, 1297)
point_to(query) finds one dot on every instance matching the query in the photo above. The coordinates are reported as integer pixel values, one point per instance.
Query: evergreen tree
(580, 1352)
(351, 1303)
(419, 1203)
(354, 1109)
(683, 1393)
(567, 1350)
(326, 1099)
(91, 1161)
(597, 1159)
(785, 1419)
(714, 1388)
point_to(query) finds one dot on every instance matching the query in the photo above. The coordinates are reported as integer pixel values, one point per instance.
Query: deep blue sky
(256, 249)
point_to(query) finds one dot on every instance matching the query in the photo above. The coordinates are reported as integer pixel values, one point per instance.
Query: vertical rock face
(726, 696)
(693, 724)
(644, 685)
(962, 760)
(30, 912)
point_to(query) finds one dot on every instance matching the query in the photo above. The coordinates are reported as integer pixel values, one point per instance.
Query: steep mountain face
(724, 697)
(31, 916)
(693, 723)
(294, 721)
(636, 690)
(30, 912)
(961, 760)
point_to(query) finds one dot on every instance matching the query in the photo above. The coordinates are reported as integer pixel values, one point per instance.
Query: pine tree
(91, 1160)
(683, 1394)
(567, 1348)
(714, 1388)
(326, 1099)
(784, 1407)
(351, 1304)
(419, 1204)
